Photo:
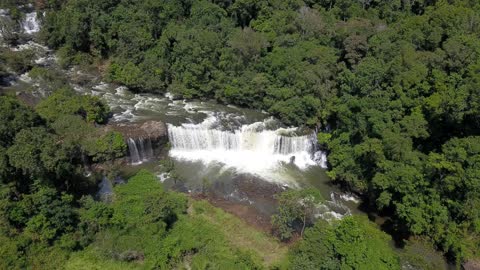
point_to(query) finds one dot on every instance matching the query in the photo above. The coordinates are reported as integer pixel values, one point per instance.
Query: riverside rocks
(153, 130)
(148, 137)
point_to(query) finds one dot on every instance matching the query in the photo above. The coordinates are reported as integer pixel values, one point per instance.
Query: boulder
(145, 140)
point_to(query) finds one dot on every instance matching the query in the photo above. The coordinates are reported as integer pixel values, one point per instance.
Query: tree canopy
(351, 243)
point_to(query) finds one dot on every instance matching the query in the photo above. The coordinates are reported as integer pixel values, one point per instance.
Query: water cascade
(140, 150)
(105, 188)
(251, 148)
(31, 24)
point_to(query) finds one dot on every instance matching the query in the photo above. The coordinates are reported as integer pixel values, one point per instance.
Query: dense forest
(391, 87)
(48, 220)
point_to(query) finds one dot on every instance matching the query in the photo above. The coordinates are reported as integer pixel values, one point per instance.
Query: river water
(228, 146)
(222, 144)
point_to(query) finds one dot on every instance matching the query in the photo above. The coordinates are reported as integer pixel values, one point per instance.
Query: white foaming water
(31, 24)
(163, 176)
(121, 91)
(30, 45)
(25, 78)
(140, 150)
(349, 198)
(249, 149)
(169, 95)
(321, 158)
(333, 209)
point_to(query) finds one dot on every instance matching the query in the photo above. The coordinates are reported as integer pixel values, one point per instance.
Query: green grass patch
(240, 234)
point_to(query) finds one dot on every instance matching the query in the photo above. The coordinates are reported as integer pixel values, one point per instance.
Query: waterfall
(140, 150)
(321, 158)
(250, 148)
(31, 24)
(190, 137)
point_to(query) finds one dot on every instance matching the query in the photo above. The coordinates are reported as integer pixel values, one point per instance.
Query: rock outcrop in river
(144, 140)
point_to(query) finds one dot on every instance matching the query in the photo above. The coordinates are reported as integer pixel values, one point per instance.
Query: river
(246, 156)
(226, 145)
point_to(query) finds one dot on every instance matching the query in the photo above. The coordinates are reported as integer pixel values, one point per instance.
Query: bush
(66, 101)
(19, 61)
(351, 243)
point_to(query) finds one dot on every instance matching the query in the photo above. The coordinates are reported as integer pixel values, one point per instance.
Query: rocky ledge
(472, 265)
(153, 130)
(145, 140)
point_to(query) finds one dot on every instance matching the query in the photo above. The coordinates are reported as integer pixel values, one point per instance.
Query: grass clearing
(239, 233)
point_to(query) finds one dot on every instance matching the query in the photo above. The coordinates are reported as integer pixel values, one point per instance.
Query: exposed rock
(153, 130)
(145, 140)
(28, 98)
(472, 265)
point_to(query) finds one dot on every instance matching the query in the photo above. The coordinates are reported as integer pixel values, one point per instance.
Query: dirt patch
(472, 265)
(247, 197)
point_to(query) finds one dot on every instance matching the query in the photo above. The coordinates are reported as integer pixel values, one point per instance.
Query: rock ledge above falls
(153, 130)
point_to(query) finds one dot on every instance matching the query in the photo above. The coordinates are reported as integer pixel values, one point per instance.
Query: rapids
(30, 24)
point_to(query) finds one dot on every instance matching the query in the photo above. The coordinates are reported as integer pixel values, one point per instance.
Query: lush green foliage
(296, 210)
(14, 117)
(194, 49)
(352, 243)
(31, 223)
(41, 171)
(144, 227)
(421, 254)
(17, 61)
(53, 145)
(396, 81)
(151, 225)
(66, 102)
(109, 147)
(406, 126)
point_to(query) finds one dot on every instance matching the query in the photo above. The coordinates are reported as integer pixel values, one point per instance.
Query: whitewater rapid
(31, 24)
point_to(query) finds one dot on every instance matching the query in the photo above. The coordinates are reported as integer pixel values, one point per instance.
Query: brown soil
(472, 265)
